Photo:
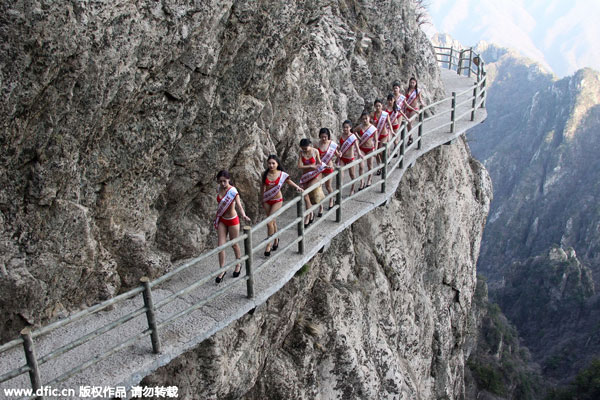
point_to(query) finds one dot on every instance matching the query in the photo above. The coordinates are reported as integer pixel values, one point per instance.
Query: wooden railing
(461, 61)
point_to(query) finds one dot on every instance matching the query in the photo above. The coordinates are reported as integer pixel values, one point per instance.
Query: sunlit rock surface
(384, 312)
(117, 115)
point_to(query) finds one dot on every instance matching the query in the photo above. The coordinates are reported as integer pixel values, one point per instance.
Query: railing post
(420, 129)
(470, 60)
(474, 104)
(450, 58)
(459, 65)
(34, 371)
(339, 179)
(150, 315)
(384, 169)
(403, 145)
(453, 112)
(249, 261)
(300, 214)
(483, 87)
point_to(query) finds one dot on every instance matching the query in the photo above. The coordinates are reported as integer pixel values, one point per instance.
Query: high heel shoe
(267, 253)
(275, 245)
(218, 279)
(237, 271)
(312, 218)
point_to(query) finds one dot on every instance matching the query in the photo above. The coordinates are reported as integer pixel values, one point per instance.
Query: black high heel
(312, 218)
(218, 279)
(267, 253)
(237, 273)
(275, 245)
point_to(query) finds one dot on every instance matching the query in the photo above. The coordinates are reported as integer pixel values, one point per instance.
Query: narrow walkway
(128, 366)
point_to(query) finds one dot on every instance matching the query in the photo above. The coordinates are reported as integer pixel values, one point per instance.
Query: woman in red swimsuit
(346, 152)
(323, 147)
(309, 162)
(386, 131)
(366, 145)
(228, 221)
(378, 107)
(273, 179)
(391, 101)
(413, 99)
(402, 106)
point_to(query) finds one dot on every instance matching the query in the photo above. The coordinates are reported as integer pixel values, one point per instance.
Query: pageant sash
(367, 135)
(412, 97)
(269, 194)
(309, 176)
(382, 120)
(224, 204)
(330, 153)
(399, 108)
(347, 144)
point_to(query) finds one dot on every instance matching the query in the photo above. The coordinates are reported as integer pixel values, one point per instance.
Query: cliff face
(384, 312)
(540, 250)
(116, 116)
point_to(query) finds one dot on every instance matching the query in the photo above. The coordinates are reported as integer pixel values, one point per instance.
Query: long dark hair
(225, 174)
(279, 167)
(325, 131)
(416, 85)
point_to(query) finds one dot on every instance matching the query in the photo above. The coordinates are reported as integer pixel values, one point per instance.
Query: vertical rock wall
(116, 115)
(384, 313)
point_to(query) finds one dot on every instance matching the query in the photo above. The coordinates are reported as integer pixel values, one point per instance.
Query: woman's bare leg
(221, 240)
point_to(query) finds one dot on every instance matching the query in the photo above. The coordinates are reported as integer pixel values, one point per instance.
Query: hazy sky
(561, 34)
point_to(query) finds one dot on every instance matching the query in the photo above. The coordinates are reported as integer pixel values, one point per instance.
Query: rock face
(384, 313)
(117, 115)
(551, 299)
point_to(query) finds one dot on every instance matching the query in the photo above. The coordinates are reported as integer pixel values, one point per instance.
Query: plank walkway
(130, 365)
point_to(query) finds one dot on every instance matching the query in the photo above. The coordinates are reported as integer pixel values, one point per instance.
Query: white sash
(346, 145)
(269, 194)
(367, 135)
(330, 152)
(412, 97)
(224, 204)
(400, 108)
(382, 120)
(309, 176)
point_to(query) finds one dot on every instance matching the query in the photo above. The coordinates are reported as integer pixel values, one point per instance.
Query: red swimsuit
(309, 161)
(394, 126)
(269, 184)
(232, 221)
(365, 150)
(375, 119)
(345, 160)
(327, 170)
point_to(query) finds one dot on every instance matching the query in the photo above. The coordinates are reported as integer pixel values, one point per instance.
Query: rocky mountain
(117, 115)
(385, 313)
(499, 367)
(551, 299)
(540, 250)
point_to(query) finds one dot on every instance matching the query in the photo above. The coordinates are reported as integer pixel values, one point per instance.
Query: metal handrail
(477, 95)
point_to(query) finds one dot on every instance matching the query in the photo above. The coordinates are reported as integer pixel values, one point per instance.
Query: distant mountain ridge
(541, 146)
(560, 34)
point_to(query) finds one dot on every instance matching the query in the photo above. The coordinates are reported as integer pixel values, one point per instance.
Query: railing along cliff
(445, 113)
